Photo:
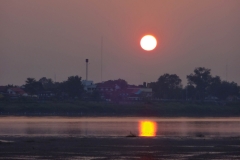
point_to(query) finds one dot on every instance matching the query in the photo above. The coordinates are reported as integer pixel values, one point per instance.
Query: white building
(89, 86)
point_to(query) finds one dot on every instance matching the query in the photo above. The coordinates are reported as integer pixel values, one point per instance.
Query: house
(16, 91)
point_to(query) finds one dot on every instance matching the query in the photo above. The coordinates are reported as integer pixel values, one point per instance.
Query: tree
(168, 86)
(30, 81)
(32, 86)
(190, 91)
(214, 86)
(96, 96)
(73, 86)
(120, 82)
(200, 79)
(226, 89)
(47, 84)
(207, 85)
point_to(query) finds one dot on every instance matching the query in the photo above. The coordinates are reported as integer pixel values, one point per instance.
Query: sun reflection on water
(147, 128)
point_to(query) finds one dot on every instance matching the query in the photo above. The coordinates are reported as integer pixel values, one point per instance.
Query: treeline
(201, 85)
(72, 87)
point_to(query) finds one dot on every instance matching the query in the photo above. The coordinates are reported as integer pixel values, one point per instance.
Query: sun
(148, 42)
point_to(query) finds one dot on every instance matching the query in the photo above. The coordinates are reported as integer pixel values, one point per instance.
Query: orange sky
(43, 38)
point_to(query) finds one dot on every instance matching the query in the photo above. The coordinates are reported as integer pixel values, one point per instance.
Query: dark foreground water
(105, 138)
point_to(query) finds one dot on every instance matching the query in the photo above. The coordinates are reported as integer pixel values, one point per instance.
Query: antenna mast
(86, 69)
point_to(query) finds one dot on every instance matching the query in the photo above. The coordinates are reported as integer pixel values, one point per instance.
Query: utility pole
(86, 69)
(101, 55)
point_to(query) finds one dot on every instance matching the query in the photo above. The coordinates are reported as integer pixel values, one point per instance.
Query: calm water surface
(109, 126)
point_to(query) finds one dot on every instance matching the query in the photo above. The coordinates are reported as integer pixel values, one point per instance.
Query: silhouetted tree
(30, 81)
(207, 85)
(214, 86)
(120, 82)
(96, 96)
(48, 84)
(201, 79)
(226, 89)
(168, 86)
(73, 86)
(190, 92)
(32, 86)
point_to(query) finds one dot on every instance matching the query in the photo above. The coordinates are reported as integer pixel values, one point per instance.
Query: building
(16, 91)
(88, 86)
(138, 94)
(113, 92)
(107, 87)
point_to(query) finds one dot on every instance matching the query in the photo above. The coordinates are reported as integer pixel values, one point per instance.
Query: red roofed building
(16, 91)
(112, 92)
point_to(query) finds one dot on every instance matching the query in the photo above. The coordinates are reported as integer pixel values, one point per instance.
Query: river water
(115, 127)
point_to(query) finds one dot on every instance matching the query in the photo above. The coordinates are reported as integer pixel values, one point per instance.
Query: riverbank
(13, 147)
(154, 109)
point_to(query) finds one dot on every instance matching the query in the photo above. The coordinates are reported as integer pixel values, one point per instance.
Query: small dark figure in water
(131, 135)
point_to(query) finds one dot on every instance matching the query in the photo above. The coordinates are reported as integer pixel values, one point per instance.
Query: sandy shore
(13, 147)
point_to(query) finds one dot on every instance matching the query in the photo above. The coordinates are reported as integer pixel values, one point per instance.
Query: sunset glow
(147, 129)
(148, 42)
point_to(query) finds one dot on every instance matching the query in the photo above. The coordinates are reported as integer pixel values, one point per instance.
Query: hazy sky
(46, 37)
